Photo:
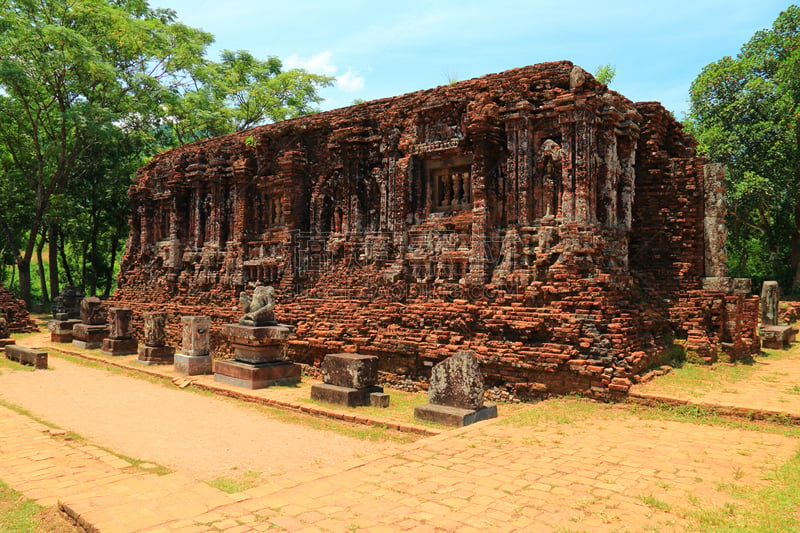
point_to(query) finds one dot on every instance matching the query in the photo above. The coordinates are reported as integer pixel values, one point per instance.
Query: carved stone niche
(448, 182)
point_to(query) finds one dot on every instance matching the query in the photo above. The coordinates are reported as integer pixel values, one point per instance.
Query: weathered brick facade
(552, 226)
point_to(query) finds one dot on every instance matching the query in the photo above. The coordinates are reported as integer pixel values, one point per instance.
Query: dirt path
(202, 436)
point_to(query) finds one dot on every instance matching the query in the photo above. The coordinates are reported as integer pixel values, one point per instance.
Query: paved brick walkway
(600, 475)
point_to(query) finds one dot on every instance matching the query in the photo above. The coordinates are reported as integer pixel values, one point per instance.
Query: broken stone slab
(35, 357)
(350, 370)
(455, 393)
(454, 416)
(325, 392)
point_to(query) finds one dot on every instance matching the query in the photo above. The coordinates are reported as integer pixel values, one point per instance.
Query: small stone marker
(155, 350)
(92, 329)
(455, 393)
(120, 340)
(194, 357)
(350, 379)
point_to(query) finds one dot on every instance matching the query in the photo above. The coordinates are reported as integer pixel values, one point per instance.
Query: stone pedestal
(156, 355)
(120, 339)
(194, 357)
(155, 351)
(455, 394)
(61, 330)
(89, 336)
(256, 375)
(777, 337)
(258, 357)
(350, 379)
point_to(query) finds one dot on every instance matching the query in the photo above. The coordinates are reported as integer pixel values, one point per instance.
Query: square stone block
(89, 336)
(119, 346)
(454, 416)
(156, 355)
(350, 370)
(34, 357)
(256, 376)
(120, 322)
(192, 365)
(379, 399)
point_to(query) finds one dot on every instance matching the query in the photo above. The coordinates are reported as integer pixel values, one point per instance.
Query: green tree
(745, 112)
(240, 92)
(605, 73)
(72, 74)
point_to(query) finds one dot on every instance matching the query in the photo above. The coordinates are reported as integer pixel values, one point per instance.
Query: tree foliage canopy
(88, 90)
(745, 112)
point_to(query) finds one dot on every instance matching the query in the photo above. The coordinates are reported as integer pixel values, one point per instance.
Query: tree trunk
(42, 277)
(52, 257)
(110, 277)
(24, 267)
(64, 262)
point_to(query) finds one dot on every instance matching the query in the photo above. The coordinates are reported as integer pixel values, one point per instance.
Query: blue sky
(378, 49)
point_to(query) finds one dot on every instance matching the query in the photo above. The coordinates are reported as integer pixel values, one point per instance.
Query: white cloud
(318, 63)
(349, 82)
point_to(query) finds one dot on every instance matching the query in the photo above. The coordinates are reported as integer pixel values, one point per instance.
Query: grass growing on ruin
(6, 364)
(565, 410)
(771, 508)
(401, 406)
(695, 380)
(21, 515)
(246, 480)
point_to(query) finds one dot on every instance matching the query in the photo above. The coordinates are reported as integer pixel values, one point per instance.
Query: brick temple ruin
(560, 231)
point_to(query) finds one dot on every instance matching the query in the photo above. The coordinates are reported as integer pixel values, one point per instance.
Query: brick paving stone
(589, 476)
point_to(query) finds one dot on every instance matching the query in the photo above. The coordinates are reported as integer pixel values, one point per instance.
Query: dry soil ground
(201, 435)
